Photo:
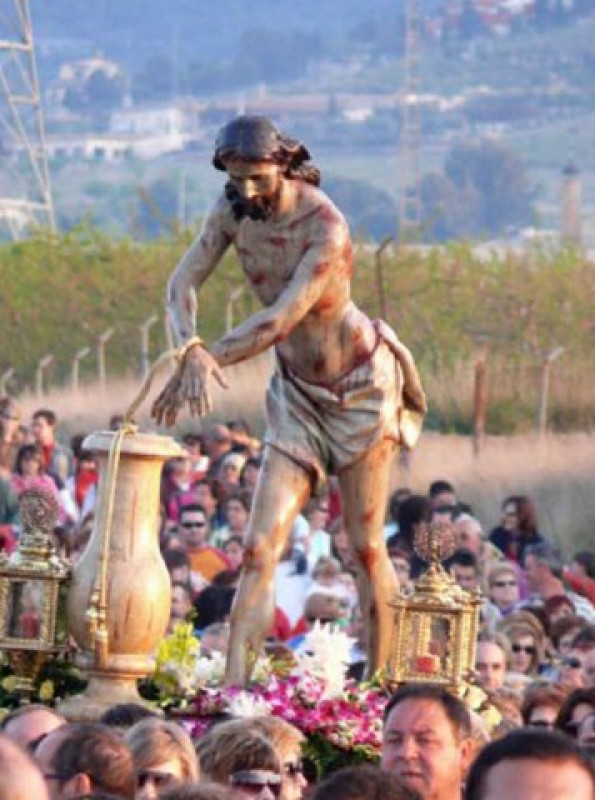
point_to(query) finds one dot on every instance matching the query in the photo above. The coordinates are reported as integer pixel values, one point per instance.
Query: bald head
(21, 778)
(29, 723)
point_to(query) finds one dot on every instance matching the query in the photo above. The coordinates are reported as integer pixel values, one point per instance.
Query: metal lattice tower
(409, 191)
(25, 192)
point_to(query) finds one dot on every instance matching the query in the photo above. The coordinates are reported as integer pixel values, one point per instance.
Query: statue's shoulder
(221, 216)
(315, 203)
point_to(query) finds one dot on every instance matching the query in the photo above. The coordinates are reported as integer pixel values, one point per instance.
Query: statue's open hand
(190, 384)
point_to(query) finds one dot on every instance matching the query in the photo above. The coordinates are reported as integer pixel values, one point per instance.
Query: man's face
(194, 529)
(42, 431)
(254, 188)
(533, 571)
(204, 497)
(466, 577)
(534, 779)
(422, 749)
(237, 516)
(467, 536)
(490, 664)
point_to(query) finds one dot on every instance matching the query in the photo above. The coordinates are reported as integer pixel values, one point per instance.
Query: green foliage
(484, 189)
(325, 757)
(367, 208)
(57, 679)
(61, 293)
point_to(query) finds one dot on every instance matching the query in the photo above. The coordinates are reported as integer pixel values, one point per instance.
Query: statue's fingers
(218, 375)
(206, 401)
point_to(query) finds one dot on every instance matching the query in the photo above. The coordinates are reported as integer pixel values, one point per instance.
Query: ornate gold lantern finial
(436, 626)
(32, 592)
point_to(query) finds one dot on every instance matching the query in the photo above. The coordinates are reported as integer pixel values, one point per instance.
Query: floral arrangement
(57, 679)
(341, 719)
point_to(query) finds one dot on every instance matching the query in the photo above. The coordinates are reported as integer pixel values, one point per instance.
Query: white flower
(246, 705)
(209, 671)
(325, 655)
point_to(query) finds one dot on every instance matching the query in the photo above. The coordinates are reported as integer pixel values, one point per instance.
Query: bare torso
(299, 265)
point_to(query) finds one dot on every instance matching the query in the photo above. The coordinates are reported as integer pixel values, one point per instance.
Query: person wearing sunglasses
(243, 760)
(526, 644)
(219, 745)
(503, 588)
(206, 561)
(251, 783)
(570, 671)
(163, 756)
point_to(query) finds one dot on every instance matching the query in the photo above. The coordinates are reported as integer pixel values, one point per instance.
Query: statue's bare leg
(283, 488)
(364, 492)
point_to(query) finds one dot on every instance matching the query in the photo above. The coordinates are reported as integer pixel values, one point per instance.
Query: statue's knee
(256, 555)
(368, 557)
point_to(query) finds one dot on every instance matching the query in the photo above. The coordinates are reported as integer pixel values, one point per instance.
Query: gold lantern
(435, 627)
(33, 592)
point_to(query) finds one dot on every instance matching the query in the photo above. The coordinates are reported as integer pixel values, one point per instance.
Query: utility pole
(409, 191)
(25, 192)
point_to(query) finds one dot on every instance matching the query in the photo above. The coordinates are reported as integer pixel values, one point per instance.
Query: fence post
(84, 351)
(5, 379)
(378, 264)
(144, 343)
(42, 365)
(480, 397)
(545, 390)
(101, 342)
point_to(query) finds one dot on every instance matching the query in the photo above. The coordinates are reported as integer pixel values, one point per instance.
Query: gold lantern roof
(435, 627)
(32, 591)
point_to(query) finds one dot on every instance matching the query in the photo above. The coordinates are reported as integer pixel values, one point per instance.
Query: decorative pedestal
(116, 647)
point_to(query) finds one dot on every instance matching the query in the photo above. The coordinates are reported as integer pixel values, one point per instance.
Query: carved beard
(259, 209)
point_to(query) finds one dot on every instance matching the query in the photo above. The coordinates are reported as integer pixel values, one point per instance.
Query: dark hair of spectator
(455, 710)
(439, 487)
(125, 715)
(544, 746)
(585, 638)
(213, 604)
(46, 414)
(586, 558)
(412, 511)
(365, 782)
(100, 752)
(576, 698)
(174, 559)
(194, 508)
(464, 558)
(551, 695)
(25, 452)
(565, 625)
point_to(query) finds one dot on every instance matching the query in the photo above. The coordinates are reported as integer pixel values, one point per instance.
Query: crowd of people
(535, 651)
